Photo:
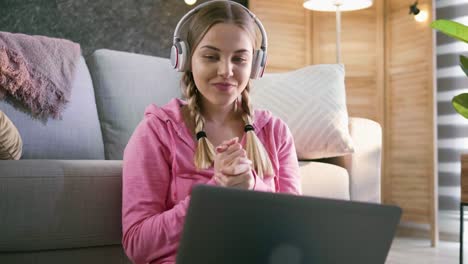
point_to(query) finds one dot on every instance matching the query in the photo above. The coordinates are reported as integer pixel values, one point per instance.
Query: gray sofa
(61, 203)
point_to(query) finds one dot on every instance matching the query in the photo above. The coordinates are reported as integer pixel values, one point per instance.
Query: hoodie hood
(169, 112)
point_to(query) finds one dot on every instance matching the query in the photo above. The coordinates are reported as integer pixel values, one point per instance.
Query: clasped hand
(232, 168)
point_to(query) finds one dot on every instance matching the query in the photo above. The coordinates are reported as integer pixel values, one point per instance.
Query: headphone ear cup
(174, 56)
(257, 68)
(183, 57)
(179, 55)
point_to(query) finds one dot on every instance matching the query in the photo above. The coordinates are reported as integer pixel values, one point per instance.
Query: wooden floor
(413, 250)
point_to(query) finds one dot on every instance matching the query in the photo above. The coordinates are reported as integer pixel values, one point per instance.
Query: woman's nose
(225, 68)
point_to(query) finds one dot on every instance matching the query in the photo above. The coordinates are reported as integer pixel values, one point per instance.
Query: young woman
(213, 137)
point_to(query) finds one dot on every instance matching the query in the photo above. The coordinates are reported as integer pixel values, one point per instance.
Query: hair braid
(205, 153)
(256, 152)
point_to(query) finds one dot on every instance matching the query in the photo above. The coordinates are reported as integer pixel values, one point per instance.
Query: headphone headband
(189, 14)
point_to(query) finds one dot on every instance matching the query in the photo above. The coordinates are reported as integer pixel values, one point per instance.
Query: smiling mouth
(223, 86)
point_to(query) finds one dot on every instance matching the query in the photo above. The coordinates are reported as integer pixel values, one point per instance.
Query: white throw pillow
(312, 102)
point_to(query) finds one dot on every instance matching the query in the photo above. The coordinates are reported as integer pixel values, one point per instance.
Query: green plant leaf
(464, 64)
(460, 103)
(452, 29)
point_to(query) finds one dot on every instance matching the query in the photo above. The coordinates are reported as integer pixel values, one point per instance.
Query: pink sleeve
(150, 229)
(288, 177)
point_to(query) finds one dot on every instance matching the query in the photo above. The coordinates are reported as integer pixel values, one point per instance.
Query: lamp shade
(330, 5)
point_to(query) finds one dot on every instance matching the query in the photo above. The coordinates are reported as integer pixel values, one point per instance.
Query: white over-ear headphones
(180, 50)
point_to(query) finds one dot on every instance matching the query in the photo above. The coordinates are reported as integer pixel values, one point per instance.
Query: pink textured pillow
(11, 145)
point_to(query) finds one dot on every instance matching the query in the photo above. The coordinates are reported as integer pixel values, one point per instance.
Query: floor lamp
(337, 6)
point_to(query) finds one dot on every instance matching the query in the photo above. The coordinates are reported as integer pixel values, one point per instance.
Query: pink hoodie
(158, 175)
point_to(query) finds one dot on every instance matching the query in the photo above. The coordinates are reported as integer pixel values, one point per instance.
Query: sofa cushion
(88, 255)
(59, 204)
(312, 102)
(10, 140)
(324, 180)
(125, 84)
(76, 136)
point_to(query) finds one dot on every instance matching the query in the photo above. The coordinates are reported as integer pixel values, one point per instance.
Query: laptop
(225, 225)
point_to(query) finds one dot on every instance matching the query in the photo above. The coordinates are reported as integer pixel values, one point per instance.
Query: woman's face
(221, 64)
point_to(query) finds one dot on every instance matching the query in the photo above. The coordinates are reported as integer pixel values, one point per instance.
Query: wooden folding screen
(389, 78)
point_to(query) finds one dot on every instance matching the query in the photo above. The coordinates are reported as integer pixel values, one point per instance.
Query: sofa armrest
(56, 204)
(364, 166)
(324, 180)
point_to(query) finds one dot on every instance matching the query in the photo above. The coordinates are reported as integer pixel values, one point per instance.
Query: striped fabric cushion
(312, 102)
(11, 144)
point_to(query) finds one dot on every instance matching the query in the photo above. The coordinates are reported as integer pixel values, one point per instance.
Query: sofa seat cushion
(10, 140)
(59, 204)
(312, 102)
(76, 136)
(324, 180)
(125, 84)
(88, 255)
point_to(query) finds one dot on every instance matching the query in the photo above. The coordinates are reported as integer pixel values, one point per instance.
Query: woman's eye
(240, 59)
(209, 57)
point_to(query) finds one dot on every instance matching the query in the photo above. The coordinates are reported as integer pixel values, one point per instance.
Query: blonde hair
(222, 12)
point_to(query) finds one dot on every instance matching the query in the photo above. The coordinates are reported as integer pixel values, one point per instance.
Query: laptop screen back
(235, 226)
